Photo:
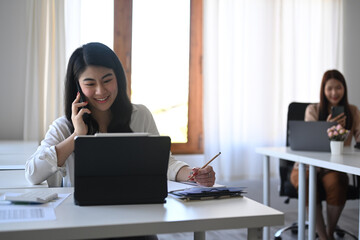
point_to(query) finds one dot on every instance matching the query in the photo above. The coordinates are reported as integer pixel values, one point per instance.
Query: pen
(194, 174)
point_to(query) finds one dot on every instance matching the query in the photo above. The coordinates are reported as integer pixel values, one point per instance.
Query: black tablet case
(121, 170)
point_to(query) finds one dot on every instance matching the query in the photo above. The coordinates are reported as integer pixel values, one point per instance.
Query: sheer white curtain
(45, 66)
(55, 29)
(259, 56)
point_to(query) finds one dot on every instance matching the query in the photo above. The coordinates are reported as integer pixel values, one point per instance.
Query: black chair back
(296, 111)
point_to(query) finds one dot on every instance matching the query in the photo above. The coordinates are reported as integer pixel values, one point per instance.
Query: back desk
(348, 162)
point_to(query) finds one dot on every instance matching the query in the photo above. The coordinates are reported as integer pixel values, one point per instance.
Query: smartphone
(336, 110)
(82, 99)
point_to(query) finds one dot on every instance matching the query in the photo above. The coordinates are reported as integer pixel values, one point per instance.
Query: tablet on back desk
(121, 169)
(309, 136)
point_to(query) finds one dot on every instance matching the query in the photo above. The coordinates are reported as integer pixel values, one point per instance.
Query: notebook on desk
(121, 169)
(309, 136)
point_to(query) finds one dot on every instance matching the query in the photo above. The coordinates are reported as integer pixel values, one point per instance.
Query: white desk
(74, 222)
(10, 179)
(13, 154)
(349, 162)
(17, 146)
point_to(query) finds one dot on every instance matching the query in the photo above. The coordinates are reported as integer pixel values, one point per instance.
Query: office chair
(296, 111)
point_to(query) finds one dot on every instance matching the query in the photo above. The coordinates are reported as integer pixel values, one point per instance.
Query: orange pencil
(194, 174)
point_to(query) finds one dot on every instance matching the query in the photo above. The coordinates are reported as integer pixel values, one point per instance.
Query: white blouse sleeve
(174, 167)
(42, 165)
(143, 121)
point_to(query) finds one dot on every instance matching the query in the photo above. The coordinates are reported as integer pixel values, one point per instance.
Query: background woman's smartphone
(336, 110)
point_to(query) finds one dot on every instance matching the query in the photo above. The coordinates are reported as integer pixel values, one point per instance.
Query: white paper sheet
(25, 213)
(10, 212)
(173, 186)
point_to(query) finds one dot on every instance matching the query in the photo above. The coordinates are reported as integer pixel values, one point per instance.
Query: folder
(206, 193)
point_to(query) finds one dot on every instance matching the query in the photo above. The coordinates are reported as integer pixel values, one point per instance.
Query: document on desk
(10, 212)
(25, 214)
(173, 186)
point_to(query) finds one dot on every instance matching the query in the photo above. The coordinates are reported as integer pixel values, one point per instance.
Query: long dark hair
(324, 102)
(97, 54)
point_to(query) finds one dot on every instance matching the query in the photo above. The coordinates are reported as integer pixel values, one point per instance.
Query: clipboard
(207, 193)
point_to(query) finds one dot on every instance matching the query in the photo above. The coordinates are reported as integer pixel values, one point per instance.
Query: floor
(349, 219)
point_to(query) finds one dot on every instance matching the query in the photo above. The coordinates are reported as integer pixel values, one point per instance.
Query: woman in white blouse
(96, 101)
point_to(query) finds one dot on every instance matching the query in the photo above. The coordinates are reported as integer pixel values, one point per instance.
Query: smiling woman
(102, 81)
(99, 86)
(333, 92)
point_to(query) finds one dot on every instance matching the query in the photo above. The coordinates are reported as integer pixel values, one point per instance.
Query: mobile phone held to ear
(336, 110)
(82, 99)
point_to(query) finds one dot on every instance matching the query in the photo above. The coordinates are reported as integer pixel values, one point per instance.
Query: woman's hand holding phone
(340, 119)
(78, 110)
(66, 147)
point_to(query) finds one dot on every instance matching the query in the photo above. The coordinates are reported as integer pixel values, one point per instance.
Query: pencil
(193, 175)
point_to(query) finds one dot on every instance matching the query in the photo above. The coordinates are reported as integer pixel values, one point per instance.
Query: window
(82, 27)
(160, 64)
(188, 139)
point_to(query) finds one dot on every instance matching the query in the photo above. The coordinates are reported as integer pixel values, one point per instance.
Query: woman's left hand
(204, 176)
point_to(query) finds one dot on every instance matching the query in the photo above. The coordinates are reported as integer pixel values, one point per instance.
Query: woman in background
(95, 73)
(333, 92)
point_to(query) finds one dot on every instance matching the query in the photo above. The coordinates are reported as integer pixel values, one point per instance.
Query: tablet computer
(121, 169)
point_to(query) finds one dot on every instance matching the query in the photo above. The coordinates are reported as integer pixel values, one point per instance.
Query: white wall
(12, 61)
(12, 67)
(352, 49)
